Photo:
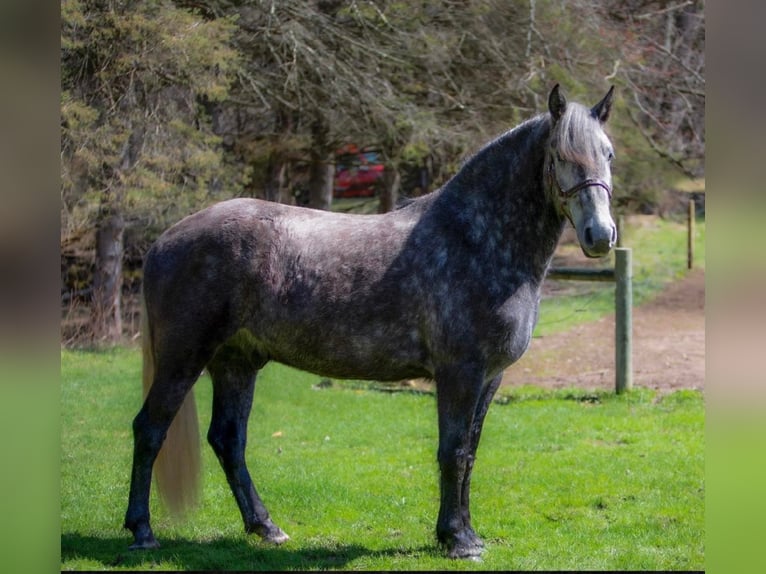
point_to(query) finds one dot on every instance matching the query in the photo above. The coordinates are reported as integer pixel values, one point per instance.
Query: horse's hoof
(278, 537)
(465, 545)
(150, 544)
(470, 552)
(269, 532)
(143, 537)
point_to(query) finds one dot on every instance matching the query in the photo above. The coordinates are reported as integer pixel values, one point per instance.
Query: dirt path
(668, 346)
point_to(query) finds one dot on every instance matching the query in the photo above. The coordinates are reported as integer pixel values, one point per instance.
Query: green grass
(563, 480)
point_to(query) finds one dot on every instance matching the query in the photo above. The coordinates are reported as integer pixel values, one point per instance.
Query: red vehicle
(357, 171)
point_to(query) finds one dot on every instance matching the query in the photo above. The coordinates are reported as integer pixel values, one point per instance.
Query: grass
(564, 479)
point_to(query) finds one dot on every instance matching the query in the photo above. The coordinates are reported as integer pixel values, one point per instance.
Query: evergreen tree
(135, 141)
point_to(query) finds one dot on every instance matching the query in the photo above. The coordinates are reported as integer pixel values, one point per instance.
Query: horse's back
(244, 236)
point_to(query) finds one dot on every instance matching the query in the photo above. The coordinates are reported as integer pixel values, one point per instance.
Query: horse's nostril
(588, 237)
(614, 235)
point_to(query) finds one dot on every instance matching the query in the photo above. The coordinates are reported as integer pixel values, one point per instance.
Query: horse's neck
(499, 198)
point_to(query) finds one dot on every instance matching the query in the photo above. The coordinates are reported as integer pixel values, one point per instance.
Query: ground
(668, 346)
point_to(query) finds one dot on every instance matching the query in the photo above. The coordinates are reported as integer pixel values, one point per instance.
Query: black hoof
(465, 551)
(465, 544)
(144, 539)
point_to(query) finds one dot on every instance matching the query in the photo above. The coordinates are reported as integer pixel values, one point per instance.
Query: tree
(169, 105)
(134, 137)
(663, 68)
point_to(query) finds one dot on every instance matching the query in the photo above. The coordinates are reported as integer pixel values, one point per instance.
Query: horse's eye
(610, 157)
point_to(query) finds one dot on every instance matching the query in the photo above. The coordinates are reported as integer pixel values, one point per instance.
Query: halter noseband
(566, 194)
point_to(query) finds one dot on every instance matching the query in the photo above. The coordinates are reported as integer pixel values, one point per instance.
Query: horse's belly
(345, 349)
(342, 364)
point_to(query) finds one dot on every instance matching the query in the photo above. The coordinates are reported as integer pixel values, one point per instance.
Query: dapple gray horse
(447, 287)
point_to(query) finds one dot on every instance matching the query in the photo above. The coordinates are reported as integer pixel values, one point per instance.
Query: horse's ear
(601, 110)
(557, 103)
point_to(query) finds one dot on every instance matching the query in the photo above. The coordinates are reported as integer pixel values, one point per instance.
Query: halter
(566, 194)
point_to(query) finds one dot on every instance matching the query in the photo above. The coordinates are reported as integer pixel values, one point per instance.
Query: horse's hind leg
(233, 384)
(149, 430)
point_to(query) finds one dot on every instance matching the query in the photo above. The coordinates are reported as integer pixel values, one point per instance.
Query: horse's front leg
(458, 389)
(485, 399)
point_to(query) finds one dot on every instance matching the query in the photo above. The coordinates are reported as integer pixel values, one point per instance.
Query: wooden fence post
(623, 339)
(620, 228)
(690, 235)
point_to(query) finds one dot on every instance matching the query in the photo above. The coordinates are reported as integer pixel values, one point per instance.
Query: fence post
(623, 339)
(620, 228)
(690, 235)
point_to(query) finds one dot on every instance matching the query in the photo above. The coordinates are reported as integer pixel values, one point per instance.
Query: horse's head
(578, 172)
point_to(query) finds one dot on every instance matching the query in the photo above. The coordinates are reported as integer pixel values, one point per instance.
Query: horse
(446, 287)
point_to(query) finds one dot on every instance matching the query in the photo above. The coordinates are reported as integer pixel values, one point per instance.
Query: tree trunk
(107, 279)
(320, 183)
(106, 314)
(321, 170)
(389, 193)
(425, 174)
(275, 178)
(276, 167)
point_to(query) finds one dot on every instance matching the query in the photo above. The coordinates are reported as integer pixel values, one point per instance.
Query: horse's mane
(404, 202)
(572, 137)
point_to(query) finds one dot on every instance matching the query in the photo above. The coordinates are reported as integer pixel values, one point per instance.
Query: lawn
(564, 479)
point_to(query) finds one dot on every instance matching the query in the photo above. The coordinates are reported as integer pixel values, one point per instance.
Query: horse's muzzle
(598, 239)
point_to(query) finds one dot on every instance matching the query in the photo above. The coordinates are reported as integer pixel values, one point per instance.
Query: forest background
(169, 106)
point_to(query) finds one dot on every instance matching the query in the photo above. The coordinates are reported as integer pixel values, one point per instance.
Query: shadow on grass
(219, 554)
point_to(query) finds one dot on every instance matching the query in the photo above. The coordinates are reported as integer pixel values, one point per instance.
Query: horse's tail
(177, 467)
